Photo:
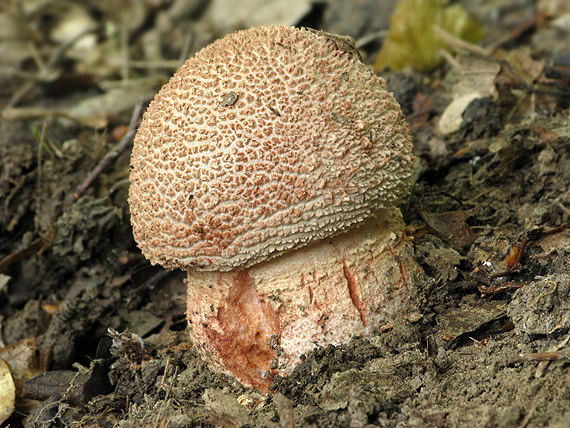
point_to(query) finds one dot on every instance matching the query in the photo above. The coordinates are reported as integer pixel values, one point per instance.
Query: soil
(106, 332)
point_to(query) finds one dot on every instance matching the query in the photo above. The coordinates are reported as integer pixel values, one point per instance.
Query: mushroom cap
(266, 140)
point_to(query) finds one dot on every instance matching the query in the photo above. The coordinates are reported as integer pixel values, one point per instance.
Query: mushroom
(269, 167)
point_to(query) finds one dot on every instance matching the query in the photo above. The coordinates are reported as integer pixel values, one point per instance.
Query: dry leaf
(95, 110)
(71, 24)
(451, 227)
(7, 392)
(18, 356)
(231, 14)
(477, 80)
(457, 324)
(522, 64)
(452, 117)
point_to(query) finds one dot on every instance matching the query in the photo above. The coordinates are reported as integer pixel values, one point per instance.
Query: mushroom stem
(257, 322)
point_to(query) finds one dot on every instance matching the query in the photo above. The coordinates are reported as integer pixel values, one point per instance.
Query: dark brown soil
(489, 212)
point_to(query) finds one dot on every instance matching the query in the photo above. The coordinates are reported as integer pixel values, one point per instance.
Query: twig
(39, 177)
(43, 418)
(367, 38)
(493, 289)
(519, 249)
(185, 49)
(151, 65)
(554, 354)
(124, 51)
(533, 235)
(168, 388)
(110, 158)
(459, 45)
(543, 364)
(541, 356)
(47, 72)
(154, 281)
(32, 248)
(519, 31)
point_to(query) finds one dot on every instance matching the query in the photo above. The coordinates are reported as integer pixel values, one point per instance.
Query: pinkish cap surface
(267, 140)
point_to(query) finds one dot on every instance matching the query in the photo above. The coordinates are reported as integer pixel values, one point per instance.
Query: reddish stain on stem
(246, 327)
(354, 292)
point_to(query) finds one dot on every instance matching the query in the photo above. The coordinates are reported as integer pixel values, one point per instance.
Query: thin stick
(541, 356)
(32, 248)
(531, 236)
(459, 45)
(110, 158)
(47, 72)
(39, 177)
(519, 31)
(124, 51)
